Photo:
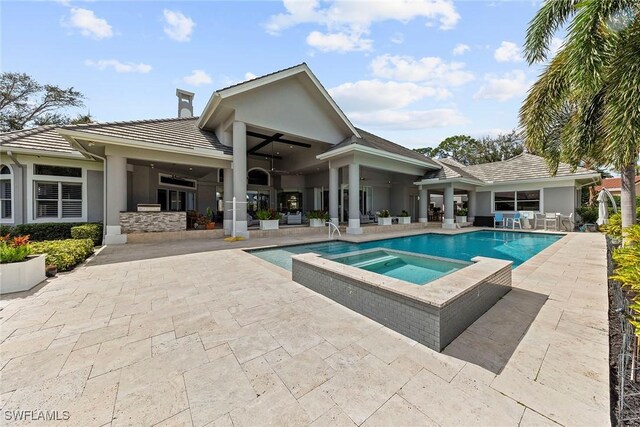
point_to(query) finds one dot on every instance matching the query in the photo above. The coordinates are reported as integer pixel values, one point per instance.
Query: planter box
(269, 224)
(22, 276)
(461, 219)
(384, 221)
(404, 220)
(316, 222)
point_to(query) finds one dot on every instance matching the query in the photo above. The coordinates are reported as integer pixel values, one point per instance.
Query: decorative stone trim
(146, 222)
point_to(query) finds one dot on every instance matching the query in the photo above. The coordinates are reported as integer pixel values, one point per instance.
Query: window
(6, 192)
(258, 177)
(58, 199)
(57, 171)
(175, 181)
(174, 200)
(512, 201)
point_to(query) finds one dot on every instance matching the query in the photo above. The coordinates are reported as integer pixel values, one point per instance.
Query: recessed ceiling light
(277, 152)
(291, 146)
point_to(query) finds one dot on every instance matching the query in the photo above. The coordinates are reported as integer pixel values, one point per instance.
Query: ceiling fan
(273, 170)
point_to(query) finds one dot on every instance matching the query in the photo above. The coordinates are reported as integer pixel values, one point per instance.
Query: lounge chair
(498, 218)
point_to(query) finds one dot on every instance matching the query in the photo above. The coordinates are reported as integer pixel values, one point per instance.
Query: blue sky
(414, 72)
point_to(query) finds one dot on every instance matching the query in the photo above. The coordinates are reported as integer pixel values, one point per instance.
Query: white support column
(354, 199)
(240, 176)
(334, 195)
(449, 209)
(471, 206)
(423, 205)
(228, 197)
(116, 175)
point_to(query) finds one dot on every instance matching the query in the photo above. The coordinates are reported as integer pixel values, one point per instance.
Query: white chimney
(185, 103)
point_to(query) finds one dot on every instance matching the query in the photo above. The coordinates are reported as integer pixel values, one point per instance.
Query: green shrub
(5, 229)
(589, 214)
(267, 214)
(88, 231)
(613, 227)
(64, 254)
(318, 215)
(627, 272)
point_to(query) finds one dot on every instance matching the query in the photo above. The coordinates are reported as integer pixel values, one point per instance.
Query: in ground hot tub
(451, 294)
(413, 268)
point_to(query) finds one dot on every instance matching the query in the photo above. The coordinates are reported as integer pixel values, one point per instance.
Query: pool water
(511, 246)
(417, 269)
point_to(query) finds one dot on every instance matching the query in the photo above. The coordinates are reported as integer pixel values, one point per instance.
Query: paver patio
(224, 338)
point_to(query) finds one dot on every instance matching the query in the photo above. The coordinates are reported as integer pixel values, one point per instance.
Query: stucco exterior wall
(483, 203)
(95, 196)
(559, 199)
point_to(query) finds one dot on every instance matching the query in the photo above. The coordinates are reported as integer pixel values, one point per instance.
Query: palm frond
(549, 19)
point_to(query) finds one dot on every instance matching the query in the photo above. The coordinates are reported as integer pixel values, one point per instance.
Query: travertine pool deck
(220, 337)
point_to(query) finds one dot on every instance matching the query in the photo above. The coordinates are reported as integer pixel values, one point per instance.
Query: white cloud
(177, 26)
(89, 24)
(460, 49)
(197, 78)
(504, 87)
(427, 69)
(249, 76)
(338, 42)
(508, 52)
(119, 67)
(405, 120)
(398, 38)
(369, 95)
(347, 22)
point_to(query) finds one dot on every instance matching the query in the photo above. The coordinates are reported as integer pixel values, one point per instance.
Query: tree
(472, 151)
(585, 106)
(26, 103)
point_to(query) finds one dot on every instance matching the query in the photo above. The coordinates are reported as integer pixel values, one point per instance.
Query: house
(614, 186)
(278, 141)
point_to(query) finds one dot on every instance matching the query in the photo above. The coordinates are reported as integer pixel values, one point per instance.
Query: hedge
(43, 231)
(88, 231)
(64, 254)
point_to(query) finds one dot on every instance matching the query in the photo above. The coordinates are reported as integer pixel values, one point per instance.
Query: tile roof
(176, 132)
(374, 141)
(42, 138)
(449, 169)
(521, 167)
(610, 183)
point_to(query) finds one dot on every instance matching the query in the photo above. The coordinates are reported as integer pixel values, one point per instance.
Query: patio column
(116, 176)
(240, 176)
(334, 195)
(354, 199)
(228, 197)
(423, 205)
(448, 208)
(471, 205)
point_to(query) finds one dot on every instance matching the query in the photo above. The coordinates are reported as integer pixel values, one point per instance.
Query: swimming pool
(511, 246)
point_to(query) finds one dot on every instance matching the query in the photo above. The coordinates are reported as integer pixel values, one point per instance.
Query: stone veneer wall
(145, 222)
(427, 324)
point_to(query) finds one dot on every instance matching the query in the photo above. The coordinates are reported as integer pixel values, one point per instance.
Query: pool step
(376, 260)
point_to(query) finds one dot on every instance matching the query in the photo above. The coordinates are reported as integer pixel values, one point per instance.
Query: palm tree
(585, 106)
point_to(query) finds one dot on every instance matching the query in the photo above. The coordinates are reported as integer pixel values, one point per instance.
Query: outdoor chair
(551, 218)
(538, 221)
(517, 219)
(294, 219)
(568, 222)
(365, 219)
(498, 218)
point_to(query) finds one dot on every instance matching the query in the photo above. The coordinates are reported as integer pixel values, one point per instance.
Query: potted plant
(20, 271)
(404, 218)
(269, 219)
(461, 216)
(317, 218)
(202, 223)
(51, 270)
(210, 225)
(384, 217)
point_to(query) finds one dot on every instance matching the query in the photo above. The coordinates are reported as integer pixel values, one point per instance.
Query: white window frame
(60, 201)
(13, 194)
(32, 178)
(493, 199)
(183, 187)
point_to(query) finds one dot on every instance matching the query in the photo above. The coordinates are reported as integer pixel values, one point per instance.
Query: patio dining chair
(498, 218)
(551, 218)
(568, 222)
(517, 219)
(538, 221)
